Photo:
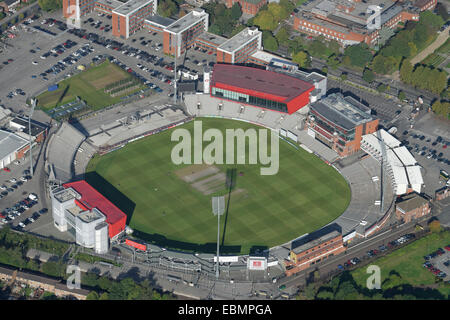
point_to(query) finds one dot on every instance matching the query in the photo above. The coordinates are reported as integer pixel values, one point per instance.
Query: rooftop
(111, 3)
(345, 112)
(10, 143)
(162, 21)
(411, 202)
(259, 80)
(131, 6)
(240, 39)
(315, 238)
(187, 21)
(22, 124)
(85, 215)
(63, 195)
(212, 38)
(91, 198)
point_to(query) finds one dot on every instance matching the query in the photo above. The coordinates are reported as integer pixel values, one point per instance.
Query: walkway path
(442, 37)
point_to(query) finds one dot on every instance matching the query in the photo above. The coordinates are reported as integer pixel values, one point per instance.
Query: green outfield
(88, 86)
(171, 205)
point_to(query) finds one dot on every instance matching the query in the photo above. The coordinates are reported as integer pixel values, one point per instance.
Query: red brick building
(314, 248)
(250, 7)
(411, 207)
(340, 122)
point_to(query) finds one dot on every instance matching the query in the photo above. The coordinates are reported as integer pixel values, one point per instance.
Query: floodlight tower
(33, 105)
(218, 206)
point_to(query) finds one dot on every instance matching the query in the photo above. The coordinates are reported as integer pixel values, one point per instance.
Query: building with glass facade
(340, 122)
(260, 88)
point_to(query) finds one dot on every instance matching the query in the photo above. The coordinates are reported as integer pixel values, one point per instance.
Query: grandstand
(62, 147)
(400, 164)
(136, 125)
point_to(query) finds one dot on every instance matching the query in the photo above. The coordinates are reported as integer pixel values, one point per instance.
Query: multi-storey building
(250, 7)
(411, 207)
(355, 21)
(340, 122)
(240, 47)
(107, 6)
(260, 88)
(87, 215)
(314, 248)
(181, 35)
(130, 17)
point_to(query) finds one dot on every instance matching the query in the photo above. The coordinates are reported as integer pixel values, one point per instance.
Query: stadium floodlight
(33, 105)
(218, 207)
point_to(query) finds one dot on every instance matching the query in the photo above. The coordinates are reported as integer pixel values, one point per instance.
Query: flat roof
(10, 143)
(162, 21)
(411, 202)
(240, 39)
(131, 6)
(212, 38)
(36, 127)
(260, 80)
(344, 112)
(186, 21)
(111, 3)
(315, 238)
(94, 199)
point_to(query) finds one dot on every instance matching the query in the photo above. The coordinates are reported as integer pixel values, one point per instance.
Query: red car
(129, 70)
(6, 169)
(447, 248)
(210, 52)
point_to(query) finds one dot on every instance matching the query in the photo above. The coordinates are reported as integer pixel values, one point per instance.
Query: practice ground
(171, 205)
(405, 265)
(88, 85)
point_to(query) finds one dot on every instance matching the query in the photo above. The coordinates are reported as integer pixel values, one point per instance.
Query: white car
(3, 187)
(13, 180)
(31, 219)
(21, 224)
(34, 62)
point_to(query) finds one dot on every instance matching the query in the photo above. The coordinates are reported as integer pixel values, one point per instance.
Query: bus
(444, 175)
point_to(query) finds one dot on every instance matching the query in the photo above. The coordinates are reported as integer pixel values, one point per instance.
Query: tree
(104, 296)
(435, 226)
(167, 8)
(269, 41)
(236, 11)
(333, 61)
(301, 58)
(401, 95)
(265, 21)
(384, 65)
(359, 54)
(406, 71)
(92, 296)
(368, 75)
(50, 5)
(343, 76)
(441, 108)
(21, 16)
(282, 36)
(381, 88)
(441, 10)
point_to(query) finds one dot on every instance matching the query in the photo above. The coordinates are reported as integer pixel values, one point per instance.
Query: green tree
(333, 61)
(401, 95)
(269, 41)
(236, 11)
(435, 225)
(301, 58)
(359, 54)
(368, 75)
(344, 76)
(381, 88)
(167, 8)
(92, 296)
(104, 296)
(265, 21)
(282, 36)
(443, 109)
(441, 9)
(406, 71)
(50, 5)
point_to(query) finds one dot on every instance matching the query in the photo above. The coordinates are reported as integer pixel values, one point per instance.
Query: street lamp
(218, 207)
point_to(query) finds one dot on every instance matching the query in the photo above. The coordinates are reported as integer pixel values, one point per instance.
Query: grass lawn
(141, 179)
(433, 60)
(88, 85)
(407, 263)
(445, 48)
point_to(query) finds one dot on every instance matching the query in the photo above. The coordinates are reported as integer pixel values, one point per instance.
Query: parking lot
(438, 263)
(39, 59)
